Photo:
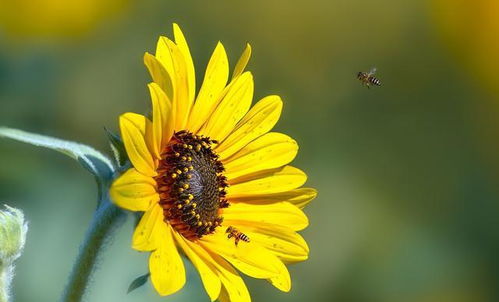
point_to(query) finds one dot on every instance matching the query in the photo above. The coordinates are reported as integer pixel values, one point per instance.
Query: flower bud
(13, 230)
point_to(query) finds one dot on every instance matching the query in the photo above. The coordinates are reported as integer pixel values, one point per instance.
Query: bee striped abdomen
(374, 81)
(243, 237)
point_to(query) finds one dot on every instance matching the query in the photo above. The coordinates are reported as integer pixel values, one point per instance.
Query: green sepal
(138, 282)
(118, 148)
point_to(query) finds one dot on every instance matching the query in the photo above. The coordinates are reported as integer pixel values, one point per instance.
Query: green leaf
(118, 148)
(138, 282)
(91, 159)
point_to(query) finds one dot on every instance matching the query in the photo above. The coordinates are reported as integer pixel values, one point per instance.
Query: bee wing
(372, 71)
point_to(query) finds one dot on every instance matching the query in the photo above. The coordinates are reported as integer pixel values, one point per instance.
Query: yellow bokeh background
(469, 31)
(57, 19)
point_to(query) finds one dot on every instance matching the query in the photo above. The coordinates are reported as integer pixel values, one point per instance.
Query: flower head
(213, 182)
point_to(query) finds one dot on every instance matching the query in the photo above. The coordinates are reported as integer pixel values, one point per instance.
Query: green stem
(6, 274)
(106, 219)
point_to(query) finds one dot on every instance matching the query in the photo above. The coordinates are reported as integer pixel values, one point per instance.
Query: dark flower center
(191, 185)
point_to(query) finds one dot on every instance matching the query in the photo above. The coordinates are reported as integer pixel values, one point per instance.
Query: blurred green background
(407, 172)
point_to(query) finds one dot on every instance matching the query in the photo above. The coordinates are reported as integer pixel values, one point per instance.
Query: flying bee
(368, 78)
(233, 232)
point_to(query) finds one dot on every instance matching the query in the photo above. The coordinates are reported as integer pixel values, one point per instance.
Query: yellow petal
(303, 197)
(267, 182)
(283, 280)
(159, 74)
(184, 49)
(285, 243)
(166, 266)
(207, 273)
(269, 151)
(181, 102)
(248, 257)
(231, 109)
(210, 93)
(224, 296)
(134, 191)
(146, 234)
(242, 62)
(233, 288)
(162, 118)
(133, 132)
(233, 284)
(259, 120)
(282, 214)
(299, 197)
(164, 56)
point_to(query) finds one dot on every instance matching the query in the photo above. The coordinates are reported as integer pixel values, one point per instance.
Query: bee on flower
(232, 232)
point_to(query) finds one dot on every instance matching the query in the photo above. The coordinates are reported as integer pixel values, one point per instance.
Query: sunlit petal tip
(283, 280)
(313, 193)
(179, 35)
(303, 196)
(159, 74)
(242, 62)
(176, 28)
(189, 64)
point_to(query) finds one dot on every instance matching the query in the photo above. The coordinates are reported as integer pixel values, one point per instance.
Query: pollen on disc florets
(191, 185)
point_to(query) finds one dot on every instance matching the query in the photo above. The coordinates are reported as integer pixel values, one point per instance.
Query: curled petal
(242, 62)
(137, 140)
(134, 191)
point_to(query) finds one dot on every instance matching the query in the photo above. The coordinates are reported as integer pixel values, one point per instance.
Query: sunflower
(214, 184)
